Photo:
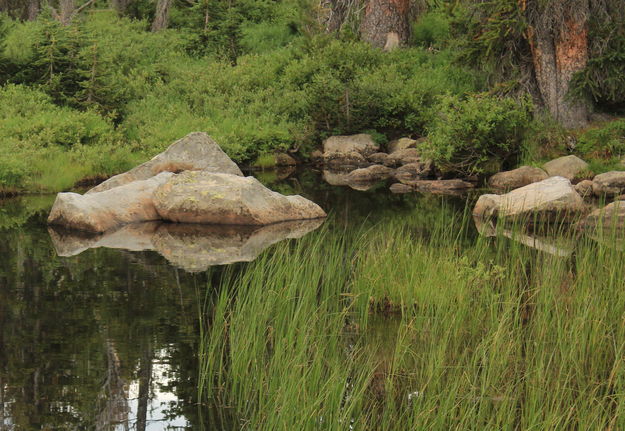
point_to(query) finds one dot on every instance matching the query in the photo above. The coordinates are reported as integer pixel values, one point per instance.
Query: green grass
(395, 328)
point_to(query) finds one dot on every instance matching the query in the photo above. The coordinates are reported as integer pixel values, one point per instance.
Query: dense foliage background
(90, 96)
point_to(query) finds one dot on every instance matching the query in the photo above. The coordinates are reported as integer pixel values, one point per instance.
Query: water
(106, 338)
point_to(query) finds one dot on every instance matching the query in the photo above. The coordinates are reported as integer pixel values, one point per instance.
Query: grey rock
(401, 188)
(350, 150)
(204, 197)
(403, 157)
(413, 172)
(378, 158)
(195, 152)
(609, 218)
(517, 178)
(568, 167)
(99, 212)
(444, 187)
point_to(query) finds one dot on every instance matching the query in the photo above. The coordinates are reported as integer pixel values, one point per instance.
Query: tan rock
(413, 172)
(401, 144)
(403, 157)
(99, 212)
(611, 217)
(378, 158)
(195, 152)
(547, 200)
(517, 178)
(584, 188)
(370, 174)
(609, 184)
(350, 150)
(204, 197)
(568, 167)
(283, 159)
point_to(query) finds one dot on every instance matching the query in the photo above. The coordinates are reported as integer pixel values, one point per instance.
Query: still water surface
(104, 338)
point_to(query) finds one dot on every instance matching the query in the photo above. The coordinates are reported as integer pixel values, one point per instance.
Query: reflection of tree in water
(74, 333)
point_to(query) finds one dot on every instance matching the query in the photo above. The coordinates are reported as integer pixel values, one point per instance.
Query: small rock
(568, 167)
(203, 197)
(283, 159)
(401, 188)
(401, 144)
(403, 157)
(349, 150)
(584, 188)
(548, 200)
(453, 186)
(195, 152)
(619, 198)
(610, 183)
(610, 217)
(378, 158)
(316, 157)
(413, 172)
(517, 178)
(369, 174)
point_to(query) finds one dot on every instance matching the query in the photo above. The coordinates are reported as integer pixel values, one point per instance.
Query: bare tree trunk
(161, 18)
(386, 23)
(560, 49)
(120, 6)
(66, 11)
(33, 10)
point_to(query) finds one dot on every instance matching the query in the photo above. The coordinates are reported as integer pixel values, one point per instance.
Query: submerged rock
(445, 187)
(204, 197)
(609, 184)
(517, 178)
(191, 247)
(99, 212)
(353, 150)
(548, 200)
(401, 188)
(195, 152)
(568, 167)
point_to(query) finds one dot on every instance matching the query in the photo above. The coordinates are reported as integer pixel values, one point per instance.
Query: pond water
(102, 333)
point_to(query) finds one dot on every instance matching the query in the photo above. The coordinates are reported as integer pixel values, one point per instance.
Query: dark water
(106, 338)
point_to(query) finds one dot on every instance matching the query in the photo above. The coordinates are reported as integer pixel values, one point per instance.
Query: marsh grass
(395, 328)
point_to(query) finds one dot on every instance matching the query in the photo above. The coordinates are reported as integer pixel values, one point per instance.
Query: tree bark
(161, 18)
(386, 23)
(66, 11)
(560, 49)
(120, 6)
(33, 10)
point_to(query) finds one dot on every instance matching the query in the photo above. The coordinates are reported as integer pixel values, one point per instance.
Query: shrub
(607, 140)
(431, 30)
(472, 135)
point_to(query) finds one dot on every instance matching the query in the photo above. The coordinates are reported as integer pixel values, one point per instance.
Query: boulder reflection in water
(192, 247)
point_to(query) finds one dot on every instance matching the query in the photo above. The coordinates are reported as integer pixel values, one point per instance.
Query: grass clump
(489, 334)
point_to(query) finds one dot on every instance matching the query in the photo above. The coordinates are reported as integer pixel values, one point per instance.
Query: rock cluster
(357, 161)
(193, 181)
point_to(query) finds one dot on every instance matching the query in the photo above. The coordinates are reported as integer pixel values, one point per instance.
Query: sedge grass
(393, 329)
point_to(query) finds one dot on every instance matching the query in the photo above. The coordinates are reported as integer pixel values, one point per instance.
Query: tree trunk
(161, 18)
(120, 6)
(33, 10)
(386, 23)
(66, 11)
(560, 49)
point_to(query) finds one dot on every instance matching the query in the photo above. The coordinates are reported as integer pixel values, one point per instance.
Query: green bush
(605, 141)
(474, 135)
(433, 29)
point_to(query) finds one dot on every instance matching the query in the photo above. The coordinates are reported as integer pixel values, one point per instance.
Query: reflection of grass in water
(489, 334)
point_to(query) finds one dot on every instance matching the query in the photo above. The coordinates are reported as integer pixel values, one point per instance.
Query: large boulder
(610, 217)
(353, 150)
(204, 197)
(517, 178)
(195, 152)
(568, 167)
(548, 200)
(609, 184)
(403, 157)
(99, 212)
